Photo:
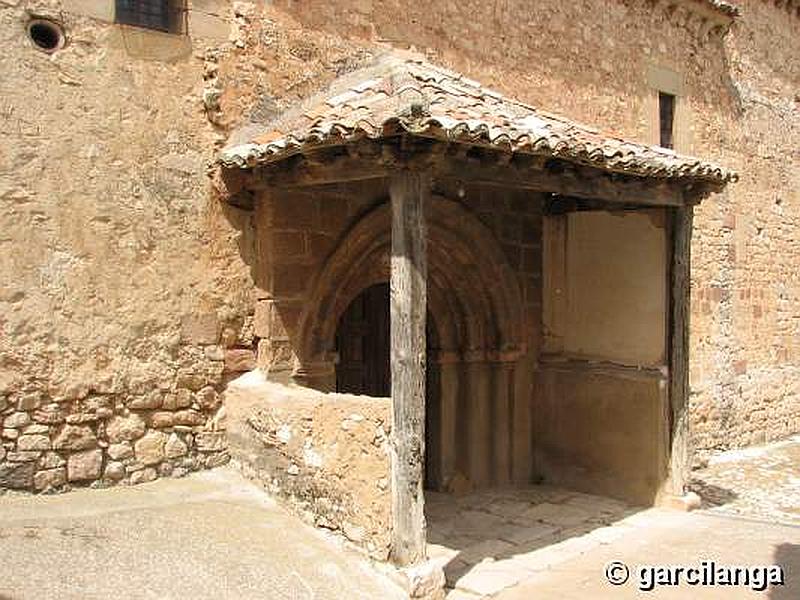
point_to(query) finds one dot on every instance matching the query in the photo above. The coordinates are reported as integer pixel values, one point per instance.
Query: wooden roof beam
(473, 165)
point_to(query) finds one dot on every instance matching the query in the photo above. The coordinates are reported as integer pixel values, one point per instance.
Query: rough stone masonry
(127, 299)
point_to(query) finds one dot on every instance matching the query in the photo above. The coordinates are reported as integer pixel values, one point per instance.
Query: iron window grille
(162, 15)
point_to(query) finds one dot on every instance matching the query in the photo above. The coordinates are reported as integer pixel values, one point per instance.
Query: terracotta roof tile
(725, 8)
(406, 94)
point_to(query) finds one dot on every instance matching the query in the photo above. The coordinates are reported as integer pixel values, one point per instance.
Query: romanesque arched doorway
(474, 316)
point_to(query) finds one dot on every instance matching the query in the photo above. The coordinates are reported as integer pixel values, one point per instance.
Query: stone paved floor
(544, 542)
(660, 537)
(761, 482)
(494, 539)
(548, 543)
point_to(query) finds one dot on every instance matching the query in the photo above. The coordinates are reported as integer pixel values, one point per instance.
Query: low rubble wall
(325, 455)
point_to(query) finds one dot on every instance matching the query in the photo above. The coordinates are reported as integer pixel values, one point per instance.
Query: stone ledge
(705, 18)
(688, 502)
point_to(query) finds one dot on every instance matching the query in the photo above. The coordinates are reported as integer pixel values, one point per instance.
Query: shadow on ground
(499, 531)
(711, 495)
(788, 556)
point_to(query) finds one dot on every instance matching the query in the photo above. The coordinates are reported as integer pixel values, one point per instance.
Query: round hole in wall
(46, 35)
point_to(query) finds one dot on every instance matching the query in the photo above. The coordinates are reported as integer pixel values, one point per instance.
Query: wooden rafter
(470, 165)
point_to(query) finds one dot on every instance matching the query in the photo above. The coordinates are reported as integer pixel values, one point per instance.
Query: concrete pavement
(211, 535)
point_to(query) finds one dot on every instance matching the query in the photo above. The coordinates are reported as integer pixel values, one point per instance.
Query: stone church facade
(144, 271)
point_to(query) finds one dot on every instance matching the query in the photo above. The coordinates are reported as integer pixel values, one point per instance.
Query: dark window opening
(161, 15)
(666, 118)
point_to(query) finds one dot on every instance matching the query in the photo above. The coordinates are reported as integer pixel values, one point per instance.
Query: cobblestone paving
(492, 540)
(761, 482)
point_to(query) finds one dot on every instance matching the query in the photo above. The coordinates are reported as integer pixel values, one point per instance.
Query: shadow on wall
(788, 556)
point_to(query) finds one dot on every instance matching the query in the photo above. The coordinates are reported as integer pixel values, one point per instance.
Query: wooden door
(362, 341)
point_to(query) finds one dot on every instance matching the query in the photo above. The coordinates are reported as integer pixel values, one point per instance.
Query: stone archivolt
(474, 297)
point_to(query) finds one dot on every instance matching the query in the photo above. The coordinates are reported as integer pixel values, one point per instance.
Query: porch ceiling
(401, 95)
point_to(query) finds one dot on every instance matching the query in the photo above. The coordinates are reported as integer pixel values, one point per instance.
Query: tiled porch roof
(402, 94)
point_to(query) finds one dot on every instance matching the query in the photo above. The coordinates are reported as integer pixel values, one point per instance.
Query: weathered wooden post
(679, 349)
(408, 192)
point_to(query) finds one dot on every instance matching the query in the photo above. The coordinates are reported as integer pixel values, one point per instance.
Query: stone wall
(325, 455)
(125, 303)
(745, 364)
(601, 430)
(515, 219)
(297, 231)
(601, 391)
(127, 288)
(606, 286)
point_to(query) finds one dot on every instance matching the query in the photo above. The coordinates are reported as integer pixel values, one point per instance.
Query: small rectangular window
(666, 118)
(161, 15)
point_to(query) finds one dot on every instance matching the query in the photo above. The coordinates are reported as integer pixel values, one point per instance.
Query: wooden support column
(407, 307)
(679, 350)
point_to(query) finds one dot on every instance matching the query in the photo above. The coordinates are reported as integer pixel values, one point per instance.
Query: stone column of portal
(479, 418)
(525, 369)
(319, 375)
(449, 373)
(503, 376)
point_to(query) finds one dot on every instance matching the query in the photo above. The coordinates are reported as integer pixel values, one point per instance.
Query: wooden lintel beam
(598, 186)
(698, 192)
(470, 165)
(341, 169)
